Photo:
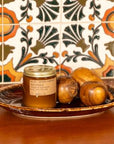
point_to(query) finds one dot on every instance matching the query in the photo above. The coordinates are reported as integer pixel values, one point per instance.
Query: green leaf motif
(45, 61)
(96, 49)
(32, 61)
(98, 6)
(86, 59)
(82, 2)
(75, 59)
(23, 39)
(96, 31)
(90, 39)
(40, 2)
(43, 54)
(96, 37)
(48, 10)
(39, 45)
(94, 46)
(7, 50)
(91, 4)
(69, 58)
(8, 1)
(97, 13)
(73, 35)
(24, 33)
(25, 10)
(77, 53)
(95, 8)
(73, 10)
(30, 41)
(83, 45)
(47, 36)
(51, 60)
(30, 6)
(110, 47)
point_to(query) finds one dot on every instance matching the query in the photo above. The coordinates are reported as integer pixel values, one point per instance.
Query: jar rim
(39, 71)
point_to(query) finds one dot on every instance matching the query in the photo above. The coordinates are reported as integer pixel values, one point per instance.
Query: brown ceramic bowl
(11, 99)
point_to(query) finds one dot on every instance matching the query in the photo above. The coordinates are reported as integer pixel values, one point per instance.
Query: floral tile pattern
(66, 34)
(31, 48)
(73, 10)
(84, 44)
(35, 11)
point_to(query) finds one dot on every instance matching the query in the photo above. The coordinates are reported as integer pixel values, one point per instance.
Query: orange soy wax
(39, 83)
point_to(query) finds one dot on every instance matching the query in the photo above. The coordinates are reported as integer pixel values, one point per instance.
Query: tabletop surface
(97, 129)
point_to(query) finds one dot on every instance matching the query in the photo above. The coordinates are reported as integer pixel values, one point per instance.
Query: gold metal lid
(39, 71)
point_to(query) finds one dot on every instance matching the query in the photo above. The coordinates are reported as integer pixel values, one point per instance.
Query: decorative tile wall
(66, 34)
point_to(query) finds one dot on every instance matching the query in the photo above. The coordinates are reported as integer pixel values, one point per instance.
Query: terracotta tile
(32, 44)
(73, 10)
(85, 10)
(13, 11)
(48, 11)
(66, 34)
(33, 11)
(84, 46)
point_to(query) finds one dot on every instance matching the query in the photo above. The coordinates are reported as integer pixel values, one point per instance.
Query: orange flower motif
(29, 19)
(30, 28)
(63, 70)
(56, 54)
(8, 20)
(108, 22)
(91, 26)
(10, 75)
(91, 17)
(64, 53)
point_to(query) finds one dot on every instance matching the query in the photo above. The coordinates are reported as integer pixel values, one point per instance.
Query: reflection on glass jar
(39, 83)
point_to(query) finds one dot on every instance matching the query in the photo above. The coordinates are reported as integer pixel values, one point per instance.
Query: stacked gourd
(85, 84)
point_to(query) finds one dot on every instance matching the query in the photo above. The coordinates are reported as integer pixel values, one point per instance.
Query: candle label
(43, 87)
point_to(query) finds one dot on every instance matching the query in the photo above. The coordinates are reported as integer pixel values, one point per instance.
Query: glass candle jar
(39, 83)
